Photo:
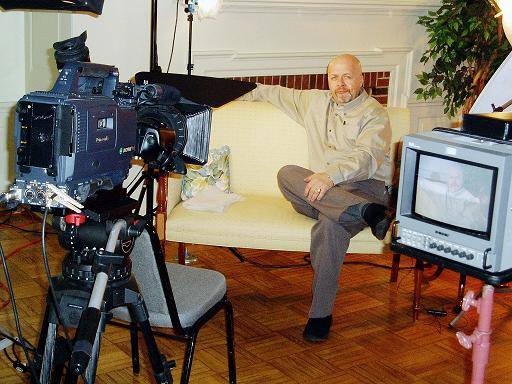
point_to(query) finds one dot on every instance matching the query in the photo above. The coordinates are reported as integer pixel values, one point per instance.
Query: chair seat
(195, 290)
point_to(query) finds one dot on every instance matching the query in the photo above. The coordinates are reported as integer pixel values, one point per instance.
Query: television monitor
(454, 199)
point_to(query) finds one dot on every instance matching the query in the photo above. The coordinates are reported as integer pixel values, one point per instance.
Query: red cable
(4, 303)
(27, 245)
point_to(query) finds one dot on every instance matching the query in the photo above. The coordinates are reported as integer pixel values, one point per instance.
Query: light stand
(190, 19)
(153, 55)
(153, 52)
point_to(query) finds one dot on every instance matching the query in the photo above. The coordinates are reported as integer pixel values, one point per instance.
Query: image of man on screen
(443, 194)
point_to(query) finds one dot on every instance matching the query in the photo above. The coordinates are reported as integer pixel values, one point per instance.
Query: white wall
(254, 37)
(12, 82)
(248, 37)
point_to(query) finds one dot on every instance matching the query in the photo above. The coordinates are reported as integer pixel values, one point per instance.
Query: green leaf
(462, 37)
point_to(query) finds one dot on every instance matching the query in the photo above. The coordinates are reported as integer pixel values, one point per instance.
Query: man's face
(455, 179)
(345, 80)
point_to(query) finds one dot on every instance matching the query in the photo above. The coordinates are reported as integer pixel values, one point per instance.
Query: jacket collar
(351, 105)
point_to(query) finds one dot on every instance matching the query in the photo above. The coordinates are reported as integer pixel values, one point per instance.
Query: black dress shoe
(380, 229)
(317, 329)
(378, 218)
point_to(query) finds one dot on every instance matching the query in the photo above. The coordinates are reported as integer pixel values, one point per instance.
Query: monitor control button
(447, 250)
(470, 256)
(440, 247)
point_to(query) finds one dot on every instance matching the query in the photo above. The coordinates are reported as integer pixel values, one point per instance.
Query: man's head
(345, 77)
(455, 178)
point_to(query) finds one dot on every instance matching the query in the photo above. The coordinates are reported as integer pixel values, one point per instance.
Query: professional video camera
(81, 136)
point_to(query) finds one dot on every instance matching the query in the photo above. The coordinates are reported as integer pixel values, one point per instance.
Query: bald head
(345, 76)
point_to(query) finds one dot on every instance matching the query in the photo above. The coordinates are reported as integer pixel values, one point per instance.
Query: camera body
(78, 136)
(82, 134)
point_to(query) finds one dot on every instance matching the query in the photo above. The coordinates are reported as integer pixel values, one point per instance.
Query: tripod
(91, 285)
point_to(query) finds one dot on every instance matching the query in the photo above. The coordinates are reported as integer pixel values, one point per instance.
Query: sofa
(262, 139)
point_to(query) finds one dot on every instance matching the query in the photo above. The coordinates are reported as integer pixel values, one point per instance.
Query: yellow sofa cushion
(261, 222)
(262, 139)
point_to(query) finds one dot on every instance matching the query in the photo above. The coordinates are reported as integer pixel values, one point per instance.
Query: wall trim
(396, 60)
(5, 106)
(354, 7)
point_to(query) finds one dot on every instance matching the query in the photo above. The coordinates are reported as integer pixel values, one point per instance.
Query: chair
(179, 297)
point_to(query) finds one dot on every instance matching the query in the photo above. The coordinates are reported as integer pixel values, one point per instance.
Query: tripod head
(87, 238)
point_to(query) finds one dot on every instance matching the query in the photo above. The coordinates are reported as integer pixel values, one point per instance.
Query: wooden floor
(373, 338)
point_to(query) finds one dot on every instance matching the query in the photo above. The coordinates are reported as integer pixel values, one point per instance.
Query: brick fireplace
(375, 83)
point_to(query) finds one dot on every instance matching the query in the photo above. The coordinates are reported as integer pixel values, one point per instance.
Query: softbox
(94, 6)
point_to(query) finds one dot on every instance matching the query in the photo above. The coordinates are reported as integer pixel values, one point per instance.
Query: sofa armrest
(173, 191)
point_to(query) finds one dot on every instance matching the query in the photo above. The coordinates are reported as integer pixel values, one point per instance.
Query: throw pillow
(215, 172)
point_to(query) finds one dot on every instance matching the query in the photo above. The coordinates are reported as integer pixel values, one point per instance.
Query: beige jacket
(349, 142)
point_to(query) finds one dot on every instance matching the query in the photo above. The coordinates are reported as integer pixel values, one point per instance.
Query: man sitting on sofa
(349, 138)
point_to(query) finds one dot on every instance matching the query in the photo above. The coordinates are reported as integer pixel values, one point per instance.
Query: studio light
(506, 10)
(94, 6)
(203, 9)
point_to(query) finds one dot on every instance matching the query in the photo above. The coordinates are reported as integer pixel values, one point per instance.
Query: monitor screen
(454, 193)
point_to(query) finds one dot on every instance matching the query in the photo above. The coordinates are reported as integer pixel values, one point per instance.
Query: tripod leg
(90, 372)
(134, 340)
(161, 372)
(49, 348)
(161, 369)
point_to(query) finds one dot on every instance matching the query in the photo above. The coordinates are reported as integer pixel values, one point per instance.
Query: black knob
(447, 250)
(455, 252)
(462, 254)
(440, 247)
(433, 245)
(470, 256)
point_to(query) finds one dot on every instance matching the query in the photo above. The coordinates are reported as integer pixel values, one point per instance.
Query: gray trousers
(339, 219)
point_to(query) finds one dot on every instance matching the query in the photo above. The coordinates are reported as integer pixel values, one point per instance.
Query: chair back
(149, 269)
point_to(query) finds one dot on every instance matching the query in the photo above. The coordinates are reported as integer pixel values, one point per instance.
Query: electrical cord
(16, 316)
(306, 259)
(22, 247)
(13, 361)
(51, 287)
(26, 230)
(174, 35)
(18, 227)
(4, 303)
(8, 218)
(307, 262)
(377, 265)
(49, 278)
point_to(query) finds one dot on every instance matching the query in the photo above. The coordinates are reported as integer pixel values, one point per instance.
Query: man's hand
(317, 185)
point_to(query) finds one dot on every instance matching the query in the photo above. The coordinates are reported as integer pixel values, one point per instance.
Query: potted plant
(466, 45)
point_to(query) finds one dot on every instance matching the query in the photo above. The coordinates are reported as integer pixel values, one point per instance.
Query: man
(348, 139)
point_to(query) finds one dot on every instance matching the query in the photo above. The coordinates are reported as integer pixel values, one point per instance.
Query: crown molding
(355, 7)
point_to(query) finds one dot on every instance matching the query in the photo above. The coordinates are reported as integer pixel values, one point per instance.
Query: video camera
(81, 136)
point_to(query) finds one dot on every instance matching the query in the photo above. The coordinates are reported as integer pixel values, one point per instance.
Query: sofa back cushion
(262, 139)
